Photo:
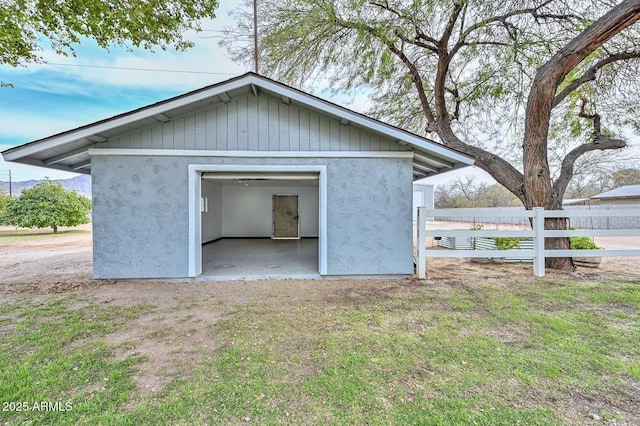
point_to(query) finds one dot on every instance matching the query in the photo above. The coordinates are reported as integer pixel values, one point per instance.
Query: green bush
(507, 243)
(4, 202)
(48, 204)
(583, 243)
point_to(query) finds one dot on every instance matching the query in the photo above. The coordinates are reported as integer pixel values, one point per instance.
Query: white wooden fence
(538, 233)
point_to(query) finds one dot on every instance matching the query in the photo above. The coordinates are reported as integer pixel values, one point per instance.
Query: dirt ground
(622, 266)
(64, 262)
(175, 331)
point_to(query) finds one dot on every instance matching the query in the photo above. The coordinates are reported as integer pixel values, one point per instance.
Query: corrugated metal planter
(589, 262)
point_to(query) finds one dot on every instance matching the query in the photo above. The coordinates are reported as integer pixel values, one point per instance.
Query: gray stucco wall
(141, 215)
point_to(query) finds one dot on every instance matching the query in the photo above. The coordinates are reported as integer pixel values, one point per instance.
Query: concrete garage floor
(242, 258)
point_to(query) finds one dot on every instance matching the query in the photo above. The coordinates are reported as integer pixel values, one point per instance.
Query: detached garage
(246, 178)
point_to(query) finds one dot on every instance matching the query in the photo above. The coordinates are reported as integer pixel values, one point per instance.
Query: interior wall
(247, 210)
(212, 219)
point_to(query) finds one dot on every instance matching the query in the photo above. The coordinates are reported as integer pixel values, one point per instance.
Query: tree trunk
(55, 229)
(538, 188)
(563, 243)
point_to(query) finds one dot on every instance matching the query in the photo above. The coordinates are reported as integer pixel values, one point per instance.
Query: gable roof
(627, 191)
(69, 150)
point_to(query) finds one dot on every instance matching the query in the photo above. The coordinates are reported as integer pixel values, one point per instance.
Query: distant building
(628, 194)
(575, 202)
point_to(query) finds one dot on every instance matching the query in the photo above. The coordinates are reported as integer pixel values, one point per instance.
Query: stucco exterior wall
(141, 215)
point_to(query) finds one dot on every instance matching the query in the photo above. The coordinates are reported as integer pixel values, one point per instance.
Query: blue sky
(51, 98)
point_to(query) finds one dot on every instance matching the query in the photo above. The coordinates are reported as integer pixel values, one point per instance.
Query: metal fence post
(538, 242)
(421, 243)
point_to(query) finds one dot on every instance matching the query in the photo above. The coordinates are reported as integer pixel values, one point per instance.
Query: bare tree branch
(413, 69)
(590, 74)
(566, 172)
(503, 19)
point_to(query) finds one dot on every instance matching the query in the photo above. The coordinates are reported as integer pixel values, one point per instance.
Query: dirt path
(43, 263)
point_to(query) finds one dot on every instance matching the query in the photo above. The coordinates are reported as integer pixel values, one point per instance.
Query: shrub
(583, 243)
(48, 204)
(506, 243)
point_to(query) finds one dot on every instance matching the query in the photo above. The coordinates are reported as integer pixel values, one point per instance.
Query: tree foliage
(27, 24)
(624, 177)
(601, 179)
(503, 81)
(48, 204)
(469, 73)
(4, 202)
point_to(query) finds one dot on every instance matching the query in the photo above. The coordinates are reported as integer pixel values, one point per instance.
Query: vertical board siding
(283, 127)
(273, 125)
(314, 128)
(232, 126)
(211, 128)
(294, 129)
(263, 123)
(354, 140)
(242, 109)
(201, 130)
(190, 132)
(304, 130)
(134, 141)
(123, 142)
(334, 135)
(325, 133)
(249, 123)
(167, 135)
(252, 124)
(222, 129)
(178, 133)
(345, 138)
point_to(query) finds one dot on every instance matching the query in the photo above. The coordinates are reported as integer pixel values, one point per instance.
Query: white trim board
(248, 154)
(195, 218)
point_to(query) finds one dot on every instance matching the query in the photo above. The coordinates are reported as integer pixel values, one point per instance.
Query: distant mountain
(81, 184)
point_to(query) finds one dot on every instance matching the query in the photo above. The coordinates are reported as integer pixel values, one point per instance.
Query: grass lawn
(501, 352)
(8, 234)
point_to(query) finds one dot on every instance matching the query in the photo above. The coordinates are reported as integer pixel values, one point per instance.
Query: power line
(137, 69)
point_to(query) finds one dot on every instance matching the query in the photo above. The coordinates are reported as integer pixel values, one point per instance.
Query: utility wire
(57, 64)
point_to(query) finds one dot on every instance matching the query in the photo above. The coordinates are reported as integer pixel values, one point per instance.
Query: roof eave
(453, 159)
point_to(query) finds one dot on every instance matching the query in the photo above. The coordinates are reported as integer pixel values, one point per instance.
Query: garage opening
(260, 224)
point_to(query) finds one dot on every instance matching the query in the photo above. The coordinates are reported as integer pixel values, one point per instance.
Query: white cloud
(20, 125)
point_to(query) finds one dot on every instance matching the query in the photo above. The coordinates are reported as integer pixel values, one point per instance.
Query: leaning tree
(527, 87)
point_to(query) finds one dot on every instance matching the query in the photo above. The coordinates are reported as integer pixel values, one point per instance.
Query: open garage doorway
(260, 223)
